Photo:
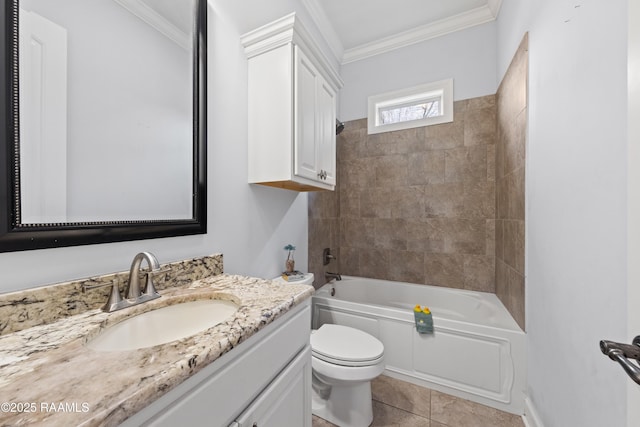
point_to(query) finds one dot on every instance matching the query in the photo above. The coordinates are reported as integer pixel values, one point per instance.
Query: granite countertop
(48, 371)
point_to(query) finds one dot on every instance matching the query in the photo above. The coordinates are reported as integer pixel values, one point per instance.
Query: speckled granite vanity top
(48, 371)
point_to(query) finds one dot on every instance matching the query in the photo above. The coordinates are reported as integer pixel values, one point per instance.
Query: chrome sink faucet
(134, 294)
(133, 291)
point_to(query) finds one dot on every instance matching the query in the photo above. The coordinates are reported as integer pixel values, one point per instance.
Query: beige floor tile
(402, 395)
(456, 412)
(319, 422)
(388, 416)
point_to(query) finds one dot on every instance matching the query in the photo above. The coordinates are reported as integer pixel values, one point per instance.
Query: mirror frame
(15, 236)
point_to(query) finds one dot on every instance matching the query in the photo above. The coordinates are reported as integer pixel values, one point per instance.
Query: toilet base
(347, 405)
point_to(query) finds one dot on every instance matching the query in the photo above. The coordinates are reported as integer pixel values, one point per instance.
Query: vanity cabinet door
(305, 109)
(286, 402)
(315, 112)
(326, 123)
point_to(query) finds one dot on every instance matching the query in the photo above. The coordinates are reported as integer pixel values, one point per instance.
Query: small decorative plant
(290, 262)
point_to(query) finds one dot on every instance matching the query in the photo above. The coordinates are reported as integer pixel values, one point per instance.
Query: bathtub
(477, 351)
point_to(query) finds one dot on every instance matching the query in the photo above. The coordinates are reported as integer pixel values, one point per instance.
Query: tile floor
(401, 404)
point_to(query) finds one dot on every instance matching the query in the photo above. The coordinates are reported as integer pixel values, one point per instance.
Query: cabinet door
(326, 122)
(286, 402)
(305, 107)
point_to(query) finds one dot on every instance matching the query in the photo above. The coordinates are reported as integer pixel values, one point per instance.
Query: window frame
(413, 96)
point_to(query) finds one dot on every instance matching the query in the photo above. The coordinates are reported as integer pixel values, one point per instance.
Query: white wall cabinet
(292, 108)
(264, 381)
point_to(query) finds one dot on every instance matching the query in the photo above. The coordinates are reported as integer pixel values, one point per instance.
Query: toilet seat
(345, 346)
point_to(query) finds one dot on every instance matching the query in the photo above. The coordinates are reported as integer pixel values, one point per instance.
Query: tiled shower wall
(440, 205)
(510, 190)
(416, 205)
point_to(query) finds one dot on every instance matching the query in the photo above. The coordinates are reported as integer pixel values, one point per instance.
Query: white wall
(250, 225)
(468, 56)
(576, 204)
(633, 192)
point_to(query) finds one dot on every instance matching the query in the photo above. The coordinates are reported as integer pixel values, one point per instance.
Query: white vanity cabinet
(292, 108)
(264, 381)
(285, 403)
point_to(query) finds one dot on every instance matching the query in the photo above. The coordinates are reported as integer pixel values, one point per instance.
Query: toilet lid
(345, 346)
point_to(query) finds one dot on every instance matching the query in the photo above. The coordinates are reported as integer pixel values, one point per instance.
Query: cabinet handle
(255, 424)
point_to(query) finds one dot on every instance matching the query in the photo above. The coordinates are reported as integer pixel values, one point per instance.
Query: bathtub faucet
(330, 276)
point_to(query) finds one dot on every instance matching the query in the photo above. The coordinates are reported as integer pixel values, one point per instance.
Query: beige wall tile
(514, 244)
(502, 283)
(480, 126)
(491, 162)
(479, 200)
(407, 202)
(426, 167)
(390, 234)
(444, 270)
(349, 261)
(377, 202)
(357, 233)
(356, 174)
(459, 110)
(444, 136)
(416, 205)
(510, 195)
(516, 305)
(406, 266)
(424, 236)
(465, 164)
(349, 203)
(499, 239)
(389, 143)
(374, 263)
(390, 171)
(490, 237)
(350, 143)
(481, 102)
(514, 142)
(444, 200)
(479, 273)
(462, 236)
(511, 128)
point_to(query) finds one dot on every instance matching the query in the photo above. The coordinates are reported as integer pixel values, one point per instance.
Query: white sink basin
(163, 325)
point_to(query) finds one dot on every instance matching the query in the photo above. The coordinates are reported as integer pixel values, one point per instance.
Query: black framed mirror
(26, 222)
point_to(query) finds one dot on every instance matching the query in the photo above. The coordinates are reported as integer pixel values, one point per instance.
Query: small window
(422, 105)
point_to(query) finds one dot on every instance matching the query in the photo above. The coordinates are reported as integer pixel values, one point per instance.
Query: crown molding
(157, 21)
(494, 6)
(319, 17)
(287, 30)
(439, 28)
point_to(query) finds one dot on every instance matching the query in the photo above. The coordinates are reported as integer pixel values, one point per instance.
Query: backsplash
(23, 309)
(415, 205)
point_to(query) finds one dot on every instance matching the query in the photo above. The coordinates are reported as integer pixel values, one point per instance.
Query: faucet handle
(115, 299)
(150, 287)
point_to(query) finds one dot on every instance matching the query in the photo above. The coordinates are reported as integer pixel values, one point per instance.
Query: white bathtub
(477, 351)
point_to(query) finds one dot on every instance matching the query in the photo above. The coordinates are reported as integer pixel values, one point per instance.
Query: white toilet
(344, 361)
